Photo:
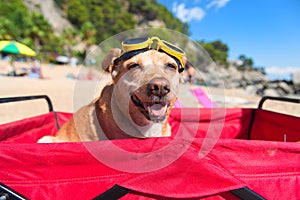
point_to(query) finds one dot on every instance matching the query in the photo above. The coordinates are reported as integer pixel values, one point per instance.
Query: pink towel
(177, 104)
(203, 98)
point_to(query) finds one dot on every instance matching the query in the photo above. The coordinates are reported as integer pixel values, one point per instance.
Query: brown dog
(136, 104)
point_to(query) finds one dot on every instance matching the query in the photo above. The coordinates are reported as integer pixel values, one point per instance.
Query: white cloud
(217, 3)
(187, 14)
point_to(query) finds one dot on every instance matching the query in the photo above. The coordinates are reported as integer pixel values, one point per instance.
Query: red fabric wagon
(214, 153)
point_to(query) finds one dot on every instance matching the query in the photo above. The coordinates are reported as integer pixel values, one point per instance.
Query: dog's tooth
(149, 110)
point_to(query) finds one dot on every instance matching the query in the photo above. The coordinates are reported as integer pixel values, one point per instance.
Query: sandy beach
(57, 84)
(68, 94)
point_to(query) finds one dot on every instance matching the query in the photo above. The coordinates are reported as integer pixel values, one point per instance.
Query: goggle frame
(133, 44)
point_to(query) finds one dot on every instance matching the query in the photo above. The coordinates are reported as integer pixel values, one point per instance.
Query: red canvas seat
(230, 122)
(31, 129)
(70, 171)
(273, 126)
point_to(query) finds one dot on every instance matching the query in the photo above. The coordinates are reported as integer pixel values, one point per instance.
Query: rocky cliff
(51, 12)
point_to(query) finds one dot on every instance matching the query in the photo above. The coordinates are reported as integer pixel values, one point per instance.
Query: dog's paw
(46, 139)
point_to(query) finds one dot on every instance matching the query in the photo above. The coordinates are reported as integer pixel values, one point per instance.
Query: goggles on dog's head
(134, 46)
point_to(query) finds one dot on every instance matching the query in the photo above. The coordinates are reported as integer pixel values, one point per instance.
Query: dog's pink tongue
(157, 110)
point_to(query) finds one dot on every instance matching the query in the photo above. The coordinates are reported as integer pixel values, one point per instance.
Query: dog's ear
(184, 60)
(108, 60)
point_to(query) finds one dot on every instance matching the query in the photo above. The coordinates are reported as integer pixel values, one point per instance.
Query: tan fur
(113, 115)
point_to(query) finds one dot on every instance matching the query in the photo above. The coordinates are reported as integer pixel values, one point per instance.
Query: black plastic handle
(28, 98)
(285, 99)
(117, 192)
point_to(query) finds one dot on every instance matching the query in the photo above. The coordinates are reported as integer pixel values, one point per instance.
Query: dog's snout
(159, 87)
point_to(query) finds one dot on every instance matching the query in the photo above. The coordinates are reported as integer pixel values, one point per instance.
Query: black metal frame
(260, 106)
(8, 193)
(28, 98)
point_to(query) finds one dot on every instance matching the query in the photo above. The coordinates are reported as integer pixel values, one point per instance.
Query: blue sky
(268, 31)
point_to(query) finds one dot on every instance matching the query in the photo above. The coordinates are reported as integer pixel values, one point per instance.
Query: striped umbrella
(14, 47)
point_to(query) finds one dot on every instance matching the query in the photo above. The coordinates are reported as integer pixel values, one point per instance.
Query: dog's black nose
(159, 87)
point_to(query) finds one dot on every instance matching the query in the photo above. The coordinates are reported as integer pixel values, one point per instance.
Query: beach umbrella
(13, 47)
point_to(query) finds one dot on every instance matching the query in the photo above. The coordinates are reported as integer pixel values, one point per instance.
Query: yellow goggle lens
(136, 43)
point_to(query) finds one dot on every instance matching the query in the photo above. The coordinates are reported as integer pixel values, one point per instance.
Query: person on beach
(36, 70)
(190, 70)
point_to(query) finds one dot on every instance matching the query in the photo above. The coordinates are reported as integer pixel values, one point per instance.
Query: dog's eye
(171, 66)
(133, 66)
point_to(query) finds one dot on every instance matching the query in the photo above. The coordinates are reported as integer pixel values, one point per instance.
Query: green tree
(217, 50)
(39, 30)
(16, 18)
(69, 37)
(88, 33)
(246, 62)
(6, 29)
(109, 18)
(114, 16)
(77, 13)
(151, 10)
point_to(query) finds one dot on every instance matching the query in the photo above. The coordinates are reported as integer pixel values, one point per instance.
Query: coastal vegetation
(92, 22)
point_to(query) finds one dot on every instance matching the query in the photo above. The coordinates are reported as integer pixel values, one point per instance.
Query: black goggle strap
(180, 68)
(129, 54)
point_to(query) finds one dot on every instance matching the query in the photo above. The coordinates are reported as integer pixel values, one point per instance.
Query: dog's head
(146, 84)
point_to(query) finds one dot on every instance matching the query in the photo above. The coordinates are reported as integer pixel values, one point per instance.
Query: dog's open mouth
(153, 110)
